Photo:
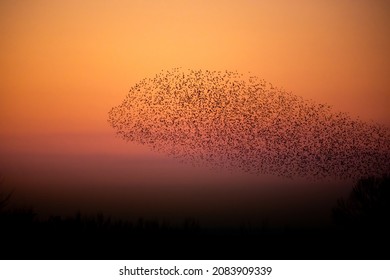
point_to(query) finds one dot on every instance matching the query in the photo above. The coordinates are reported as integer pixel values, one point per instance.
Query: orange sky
(64, 64)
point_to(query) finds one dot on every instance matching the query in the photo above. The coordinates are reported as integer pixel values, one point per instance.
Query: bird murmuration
(221, 118)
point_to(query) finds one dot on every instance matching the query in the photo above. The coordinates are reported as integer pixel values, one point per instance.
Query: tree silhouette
(368, 205)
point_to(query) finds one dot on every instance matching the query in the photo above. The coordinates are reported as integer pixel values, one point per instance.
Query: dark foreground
(98, 238)
(360, 231)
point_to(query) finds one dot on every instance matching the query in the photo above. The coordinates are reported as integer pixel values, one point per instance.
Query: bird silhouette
(227, 119)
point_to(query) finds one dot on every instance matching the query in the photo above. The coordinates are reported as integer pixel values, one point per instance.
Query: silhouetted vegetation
(99, 237)
(368, 206)
(360, 234)
(363, 219)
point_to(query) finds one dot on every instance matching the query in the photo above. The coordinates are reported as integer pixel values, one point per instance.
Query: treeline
(361, 231)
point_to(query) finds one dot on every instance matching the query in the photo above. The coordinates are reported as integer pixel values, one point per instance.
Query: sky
(65, 64)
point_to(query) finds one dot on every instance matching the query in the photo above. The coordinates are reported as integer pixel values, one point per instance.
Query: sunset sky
(65, 64)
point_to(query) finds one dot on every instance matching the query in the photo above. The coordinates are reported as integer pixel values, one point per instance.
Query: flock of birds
(225, 119)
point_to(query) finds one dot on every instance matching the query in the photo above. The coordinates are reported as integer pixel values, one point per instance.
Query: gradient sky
(64, 64)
